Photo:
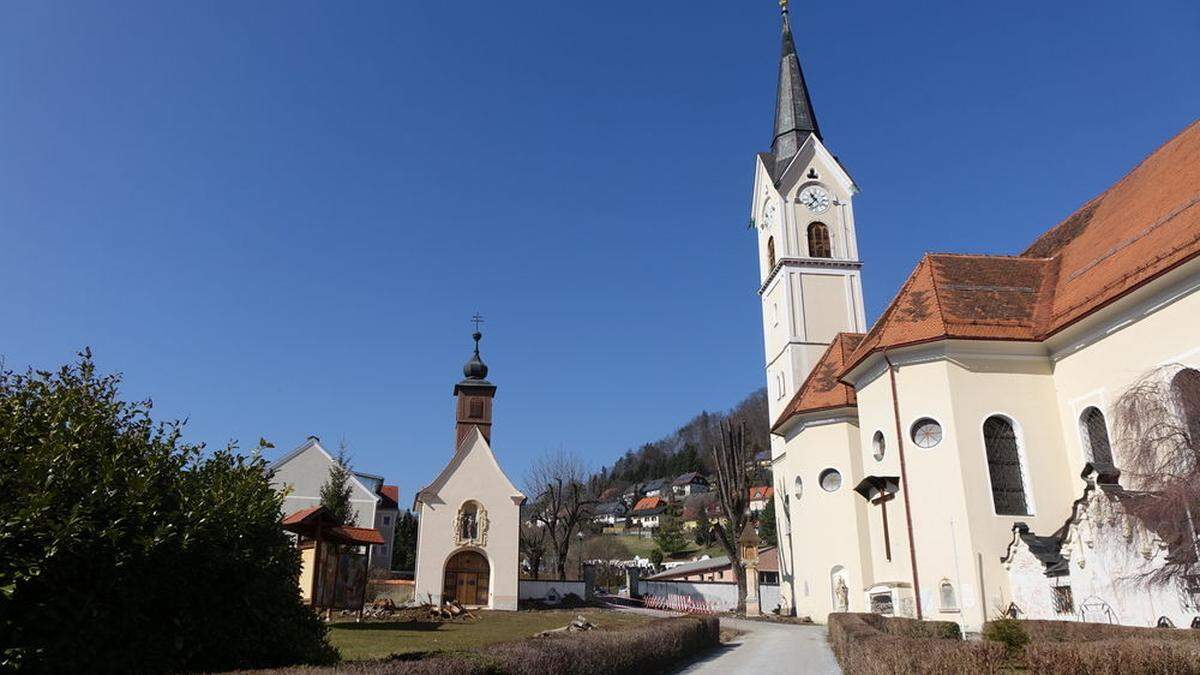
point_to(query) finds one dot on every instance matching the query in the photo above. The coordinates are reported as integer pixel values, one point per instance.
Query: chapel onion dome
(475, 369)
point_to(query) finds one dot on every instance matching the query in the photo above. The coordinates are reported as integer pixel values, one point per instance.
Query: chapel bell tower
(803, 214)
(474, 398)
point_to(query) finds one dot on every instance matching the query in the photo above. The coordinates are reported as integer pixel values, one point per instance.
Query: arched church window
(949, 601)
(1095, 434)
(770, 253)
(1164, 622)
(819, 245)
(1004, 467)
(1185, 387)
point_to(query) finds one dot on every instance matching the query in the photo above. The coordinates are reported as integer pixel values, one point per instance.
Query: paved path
(765, 649)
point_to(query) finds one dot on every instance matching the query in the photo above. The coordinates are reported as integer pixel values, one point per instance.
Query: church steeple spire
(794, 116)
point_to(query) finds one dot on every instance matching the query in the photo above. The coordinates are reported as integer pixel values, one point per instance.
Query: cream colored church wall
(826, 530)
(1097, 361)
(956, 531)
(1020, 388)
(474, 479)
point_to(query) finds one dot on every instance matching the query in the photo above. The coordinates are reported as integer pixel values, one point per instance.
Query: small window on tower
(770, 253)
(819, 245)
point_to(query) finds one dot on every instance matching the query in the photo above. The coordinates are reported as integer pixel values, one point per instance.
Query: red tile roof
(1141, 227)
(649, 503)
(822, 390)
(357, 535)
(391, 497)
(300, 516)
(761, 492)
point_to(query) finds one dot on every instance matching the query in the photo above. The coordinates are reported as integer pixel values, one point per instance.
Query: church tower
(474, 394)
(803, 212)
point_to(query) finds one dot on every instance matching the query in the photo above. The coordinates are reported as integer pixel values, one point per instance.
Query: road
(767, 648)
(763, 648)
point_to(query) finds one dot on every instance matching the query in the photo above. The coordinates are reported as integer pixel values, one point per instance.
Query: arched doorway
(466, 579)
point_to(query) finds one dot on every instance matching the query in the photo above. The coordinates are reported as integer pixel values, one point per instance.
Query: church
(469, 515)
(957, 460)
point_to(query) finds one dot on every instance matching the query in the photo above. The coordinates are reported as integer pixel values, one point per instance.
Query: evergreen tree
(404, 543)
(766, 525)
(335, 493)
(703, 528)
(670, 537)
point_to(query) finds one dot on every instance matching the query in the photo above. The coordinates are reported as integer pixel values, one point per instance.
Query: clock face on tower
(815, 198)
(768, 214)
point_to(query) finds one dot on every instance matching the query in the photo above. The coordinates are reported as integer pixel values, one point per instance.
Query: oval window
(799, 489)
(879, 445)
(926, 432)
(830, 480)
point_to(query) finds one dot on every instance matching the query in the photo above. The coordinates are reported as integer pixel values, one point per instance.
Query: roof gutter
(912, 546)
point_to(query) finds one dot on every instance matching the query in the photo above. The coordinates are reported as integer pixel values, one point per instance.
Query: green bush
(870, 644)
(126, 549)
(1007, 632)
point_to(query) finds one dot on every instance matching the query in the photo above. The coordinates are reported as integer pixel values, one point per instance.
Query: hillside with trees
(688, 448)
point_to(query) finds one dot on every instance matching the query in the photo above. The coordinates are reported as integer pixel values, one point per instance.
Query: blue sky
(276, 218)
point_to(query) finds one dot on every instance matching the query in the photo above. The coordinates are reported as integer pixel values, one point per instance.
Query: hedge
(657, 646)
(1076, 631)
(1127, 656)
(870, 644)
(1071, 647)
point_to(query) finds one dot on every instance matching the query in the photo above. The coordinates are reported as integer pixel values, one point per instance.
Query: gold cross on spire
(783, 6)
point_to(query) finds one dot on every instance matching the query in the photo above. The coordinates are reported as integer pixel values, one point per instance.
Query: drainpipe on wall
(912, 547)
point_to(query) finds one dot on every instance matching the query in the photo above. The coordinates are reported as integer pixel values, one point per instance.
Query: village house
(690, 483)
(956, 460)
(659, 487)
(647, 512)
(609, 514)
(300, 475)
(759, 497)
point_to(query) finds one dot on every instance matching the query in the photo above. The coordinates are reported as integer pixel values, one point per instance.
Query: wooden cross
(882, 500)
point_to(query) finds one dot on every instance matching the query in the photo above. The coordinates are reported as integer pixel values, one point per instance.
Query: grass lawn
(642, 546)
(378, 639)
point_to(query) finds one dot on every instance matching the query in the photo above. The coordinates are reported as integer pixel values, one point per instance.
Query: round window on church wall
(879, 445)
(831, 480)
(926, 432)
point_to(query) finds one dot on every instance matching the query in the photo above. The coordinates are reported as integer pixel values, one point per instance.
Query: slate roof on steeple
(794, 115)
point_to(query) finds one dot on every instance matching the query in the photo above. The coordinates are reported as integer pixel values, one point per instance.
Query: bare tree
(730, 459)
(563, 502)
(532, 541)
(1158, 436)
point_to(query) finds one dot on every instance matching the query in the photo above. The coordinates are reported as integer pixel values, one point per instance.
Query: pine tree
(335, 493)
(766, 525)
(670, 537)
(404, 543)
